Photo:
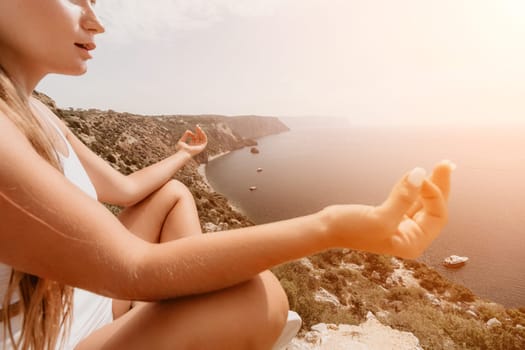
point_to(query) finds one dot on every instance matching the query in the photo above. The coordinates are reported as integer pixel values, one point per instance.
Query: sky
(373, 61)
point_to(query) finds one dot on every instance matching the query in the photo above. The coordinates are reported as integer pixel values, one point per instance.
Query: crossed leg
(167, 214)
(249, 315)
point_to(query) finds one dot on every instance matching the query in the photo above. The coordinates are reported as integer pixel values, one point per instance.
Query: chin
(70, 67)
(75, 71)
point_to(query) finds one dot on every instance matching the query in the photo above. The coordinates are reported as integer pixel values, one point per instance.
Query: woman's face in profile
(47, 36)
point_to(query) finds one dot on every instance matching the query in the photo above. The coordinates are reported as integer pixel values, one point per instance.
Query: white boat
(253, 188)
(259, 170)
(455, 261)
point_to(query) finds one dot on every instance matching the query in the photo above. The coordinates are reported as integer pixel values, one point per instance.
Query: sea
(323, 161)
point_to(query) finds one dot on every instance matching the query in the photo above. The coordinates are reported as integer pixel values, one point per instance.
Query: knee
(174, 191)
(270, 322)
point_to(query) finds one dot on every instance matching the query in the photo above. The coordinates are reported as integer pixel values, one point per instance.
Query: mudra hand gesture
(192, 143)
(404, 224)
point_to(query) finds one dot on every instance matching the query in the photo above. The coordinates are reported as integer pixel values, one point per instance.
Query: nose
(91, 22)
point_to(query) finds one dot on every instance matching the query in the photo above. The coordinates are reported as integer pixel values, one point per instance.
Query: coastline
(201, 170)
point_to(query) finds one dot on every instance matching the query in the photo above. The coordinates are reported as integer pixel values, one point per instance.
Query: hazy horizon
(408, 61)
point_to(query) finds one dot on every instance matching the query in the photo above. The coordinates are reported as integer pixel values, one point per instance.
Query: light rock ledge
(370, 335)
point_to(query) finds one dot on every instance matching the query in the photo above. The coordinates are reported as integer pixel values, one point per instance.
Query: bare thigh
(246, 316)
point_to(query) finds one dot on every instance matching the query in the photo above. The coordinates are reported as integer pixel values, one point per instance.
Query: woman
(199, 291)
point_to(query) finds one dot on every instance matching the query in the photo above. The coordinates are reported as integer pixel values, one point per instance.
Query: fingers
(405, 193)
(434, 214)
(197, 138)
(426, 215)
(433, 200)
(410, 241)
(201, 135)
(441, 177)
(414, 208)
(185, 136)
(415, 235)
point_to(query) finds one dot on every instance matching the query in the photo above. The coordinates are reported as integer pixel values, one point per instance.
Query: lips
(86, 46)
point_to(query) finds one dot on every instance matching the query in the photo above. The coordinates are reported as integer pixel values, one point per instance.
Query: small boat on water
(252, 188)
(259, 170)
(455, 261)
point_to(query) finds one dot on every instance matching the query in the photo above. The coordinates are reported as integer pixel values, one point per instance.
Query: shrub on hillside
(452, 330)
(459, 293)
(431, 280)
(301, 287)
(405, 294)
(378, 267)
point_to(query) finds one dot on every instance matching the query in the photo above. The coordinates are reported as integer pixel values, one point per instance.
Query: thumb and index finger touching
(187, 134)
(195, 137)
(405, 193)
(415, 191)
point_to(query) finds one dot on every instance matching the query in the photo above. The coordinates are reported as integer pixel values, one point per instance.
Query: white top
(90, 311)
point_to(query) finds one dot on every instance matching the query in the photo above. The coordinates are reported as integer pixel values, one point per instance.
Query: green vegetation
(442, 315)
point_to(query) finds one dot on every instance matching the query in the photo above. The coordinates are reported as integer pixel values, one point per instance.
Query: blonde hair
(46, 304)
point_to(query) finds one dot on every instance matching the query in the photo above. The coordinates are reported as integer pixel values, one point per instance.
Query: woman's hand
(404, 225)
(196, 143)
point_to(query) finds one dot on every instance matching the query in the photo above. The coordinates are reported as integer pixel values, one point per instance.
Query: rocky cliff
(254, 127)
(390, 298)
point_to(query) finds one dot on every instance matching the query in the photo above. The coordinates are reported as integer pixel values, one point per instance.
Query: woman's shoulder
(16, 151)
(9, 132)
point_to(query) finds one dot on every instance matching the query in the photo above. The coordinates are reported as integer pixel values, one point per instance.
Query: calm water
(315, 165)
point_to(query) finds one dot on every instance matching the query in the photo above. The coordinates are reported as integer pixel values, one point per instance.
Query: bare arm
(50, 228)
(115, 188)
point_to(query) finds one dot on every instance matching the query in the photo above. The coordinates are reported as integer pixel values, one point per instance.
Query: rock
(471, 313)
(333, 343)
(306, 262)
(325, 296)
(370, 335)
(433, 299)
(383, 315)
(211, 227)
(313, 338)
(320, 327)
(376, 276)
(235, 222)
(493, 322)
(519, 326)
